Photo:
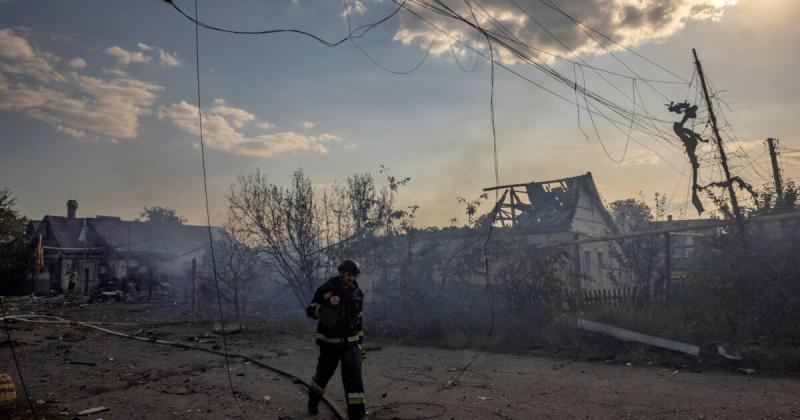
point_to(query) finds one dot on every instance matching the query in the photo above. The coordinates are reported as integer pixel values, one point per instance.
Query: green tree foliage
(160, 214)
(13, 249)
(747, 287)
(768, 202)
(643, 257)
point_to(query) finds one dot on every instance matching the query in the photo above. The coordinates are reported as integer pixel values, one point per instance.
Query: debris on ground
(93, 410)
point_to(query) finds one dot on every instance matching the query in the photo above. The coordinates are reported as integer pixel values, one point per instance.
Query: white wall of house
(599, 268)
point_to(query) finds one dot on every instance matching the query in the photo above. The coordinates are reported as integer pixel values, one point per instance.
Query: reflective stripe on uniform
(316, 307)
(327, 295)
(335, 340)
(355, 398)
(316, 388)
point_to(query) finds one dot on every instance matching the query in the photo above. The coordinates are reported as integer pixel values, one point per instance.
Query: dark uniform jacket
(338, 324)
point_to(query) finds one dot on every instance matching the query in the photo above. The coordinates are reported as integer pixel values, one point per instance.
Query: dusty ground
(69, 369)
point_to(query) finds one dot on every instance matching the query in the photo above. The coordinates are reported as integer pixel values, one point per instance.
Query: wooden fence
(620, 296)
(469, 294)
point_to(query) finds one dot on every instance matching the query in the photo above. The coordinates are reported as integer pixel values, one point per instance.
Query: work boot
(356, 413)
(313, 403)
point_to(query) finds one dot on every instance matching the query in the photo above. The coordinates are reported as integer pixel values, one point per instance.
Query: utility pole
(776, 172)
(722, 156)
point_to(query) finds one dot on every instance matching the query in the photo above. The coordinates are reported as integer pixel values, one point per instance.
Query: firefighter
(337, 305)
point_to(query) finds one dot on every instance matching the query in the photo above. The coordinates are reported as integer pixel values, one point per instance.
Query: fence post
(194, 290)
(668, 267)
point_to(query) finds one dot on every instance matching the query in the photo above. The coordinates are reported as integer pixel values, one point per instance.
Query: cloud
(352, 6)
(14, 47)
(308, 124)
(631, 22)
(643, 157)
(265, 125)
(790, 158)
(224, 129)
(124, 57)
(238, 117)
(72, 132)
(75, 105)
(115, 72)
(167, 59)
(18, 57)
(77, 63)
(745, 146)
(144, 47)
(164, 58)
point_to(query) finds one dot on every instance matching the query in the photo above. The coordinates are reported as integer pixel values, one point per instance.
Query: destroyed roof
(553, 203)
(65, 232)
(132, 236)
(122, 235)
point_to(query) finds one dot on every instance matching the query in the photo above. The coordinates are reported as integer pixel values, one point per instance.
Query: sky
(98, 99)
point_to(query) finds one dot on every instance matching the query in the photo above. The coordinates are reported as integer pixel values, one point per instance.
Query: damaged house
(106, 250)
(565, 210)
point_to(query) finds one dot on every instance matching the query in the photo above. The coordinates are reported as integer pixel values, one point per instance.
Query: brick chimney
(72, 208)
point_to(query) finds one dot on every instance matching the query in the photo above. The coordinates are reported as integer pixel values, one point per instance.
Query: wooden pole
(722, 156)
(667, 267)
(513, 209)
(194, 290)
(776, 172)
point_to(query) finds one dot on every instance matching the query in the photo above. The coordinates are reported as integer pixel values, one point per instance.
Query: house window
(601, 264)
(587, 263)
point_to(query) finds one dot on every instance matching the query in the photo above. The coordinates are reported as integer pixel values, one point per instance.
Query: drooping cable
(491, 111)
(436, 6)
(208, 213)
(377, 63)
(355, 33)
(551, 4)
(16, 360)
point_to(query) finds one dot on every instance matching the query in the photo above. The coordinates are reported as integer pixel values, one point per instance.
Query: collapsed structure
(538, 213)
(106, 251)
(565, 210)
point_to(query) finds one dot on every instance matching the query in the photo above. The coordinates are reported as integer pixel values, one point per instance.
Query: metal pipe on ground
(335, 408)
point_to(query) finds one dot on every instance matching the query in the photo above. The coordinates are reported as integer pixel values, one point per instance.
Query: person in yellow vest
(73, 281)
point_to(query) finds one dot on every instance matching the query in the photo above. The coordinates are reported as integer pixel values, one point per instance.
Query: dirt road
(69, 369)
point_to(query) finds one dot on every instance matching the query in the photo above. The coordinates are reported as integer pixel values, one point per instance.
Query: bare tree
(286, 225)
(303, 238)
(236, 265)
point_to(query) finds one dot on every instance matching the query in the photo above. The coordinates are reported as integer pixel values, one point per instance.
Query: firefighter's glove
(363, 352)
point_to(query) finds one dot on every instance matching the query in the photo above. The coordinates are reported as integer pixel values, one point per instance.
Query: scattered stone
(181, 390)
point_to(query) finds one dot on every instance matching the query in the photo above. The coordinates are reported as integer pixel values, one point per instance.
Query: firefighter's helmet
(350, 266)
